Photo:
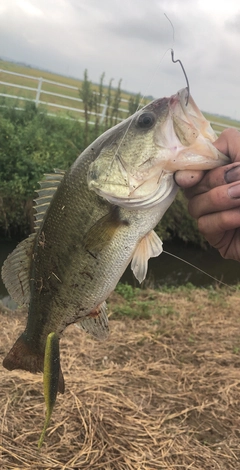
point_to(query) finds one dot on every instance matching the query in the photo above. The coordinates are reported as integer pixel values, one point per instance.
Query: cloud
(131, 40)
(232, 25)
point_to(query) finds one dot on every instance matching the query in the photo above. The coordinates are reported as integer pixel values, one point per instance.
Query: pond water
(167, 270)
(173, 272)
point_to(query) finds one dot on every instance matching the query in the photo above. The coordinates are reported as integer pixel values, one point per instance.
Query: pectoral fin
(149, 247)
(96, 323)
(51, 373)
(102, 232)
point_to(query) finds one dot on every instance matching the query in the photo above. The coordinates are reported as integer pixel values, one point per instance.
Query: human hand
(214, 200)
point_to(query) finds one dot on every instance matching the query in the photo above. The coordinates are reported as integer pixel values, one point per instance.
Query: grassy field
(162, 392)
(69, 93)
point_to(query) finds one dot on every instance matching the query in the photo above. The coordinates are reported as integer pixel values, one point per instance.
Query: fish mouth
(188, 106)
(191, 136)
(182, 104)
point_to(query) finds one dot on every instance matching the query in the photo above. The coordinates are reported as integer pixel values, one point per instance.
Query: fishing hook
(185, 75)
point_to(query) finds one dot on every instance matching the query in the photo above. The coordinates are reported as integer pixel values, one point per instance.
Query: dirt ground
(163, 392)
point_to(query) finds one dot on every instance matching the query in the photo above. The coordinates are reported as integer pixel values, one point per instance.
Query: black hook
(185, 75)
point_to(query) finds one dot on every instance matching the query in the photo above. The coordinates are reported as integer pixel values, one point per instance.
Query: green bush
(31, 144)
(177, 223)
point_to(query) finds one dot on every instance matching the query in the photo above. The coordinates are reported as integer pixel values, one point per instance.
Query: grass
(12, 67)
(46, 87)
(161, 393)
(139, 304)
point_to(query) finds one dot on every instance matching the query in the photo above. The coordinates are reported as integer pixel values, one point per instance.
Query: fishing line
(160, 61)
(199, 269)
(187, 100)
(173, 30)
(178, 60)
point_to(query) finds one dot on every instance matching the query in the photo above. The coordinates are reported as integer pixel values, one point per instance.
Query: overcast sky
(129, 39)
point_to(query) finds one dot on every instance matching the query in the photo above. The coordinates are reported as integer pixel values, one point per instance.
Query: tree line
(103, 105)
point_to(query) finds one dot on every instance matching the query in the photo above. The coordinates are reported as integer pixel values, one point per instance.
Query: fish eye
(146, 120)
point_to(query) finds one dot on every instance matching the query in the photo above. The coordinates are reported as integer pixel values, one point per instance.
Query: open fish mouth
(165, 136)
(192, 114)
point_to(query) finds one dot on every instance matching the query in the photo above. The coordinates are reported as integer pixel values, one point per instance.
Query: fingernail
(232, 175)
(234, 191)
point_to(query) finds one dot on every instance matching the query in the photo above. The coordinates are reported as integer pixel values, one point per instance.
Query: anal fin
(96, 323)
(149, 247)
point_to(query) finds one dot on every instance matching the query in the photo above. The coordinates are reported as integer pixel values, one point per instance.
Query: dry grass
(162, 393)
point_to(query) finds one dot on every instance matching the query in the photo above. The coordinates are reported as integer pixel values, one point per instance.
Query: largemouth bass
(97, 217)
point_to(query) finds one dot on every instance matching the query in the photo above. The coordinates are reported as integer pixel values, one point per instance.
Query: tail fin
(22, 356)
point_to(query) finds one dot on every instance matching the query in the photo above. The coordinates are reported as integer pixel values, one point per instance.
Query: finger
(218, 199)
(216, 227)
(188, 178)
(217, 177)
(229, 144)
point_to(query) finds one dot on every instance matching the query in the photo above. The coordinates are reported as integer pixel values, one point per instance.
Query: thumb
(188, 178)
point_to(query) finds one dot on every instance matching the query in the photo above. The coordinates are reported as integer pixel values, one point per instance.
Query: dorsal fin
(47, 189)
(16, 268)
(16, 271)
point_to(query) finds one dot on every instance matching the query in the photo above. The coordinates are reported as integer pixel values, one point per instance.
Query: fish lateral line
(199, 269)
